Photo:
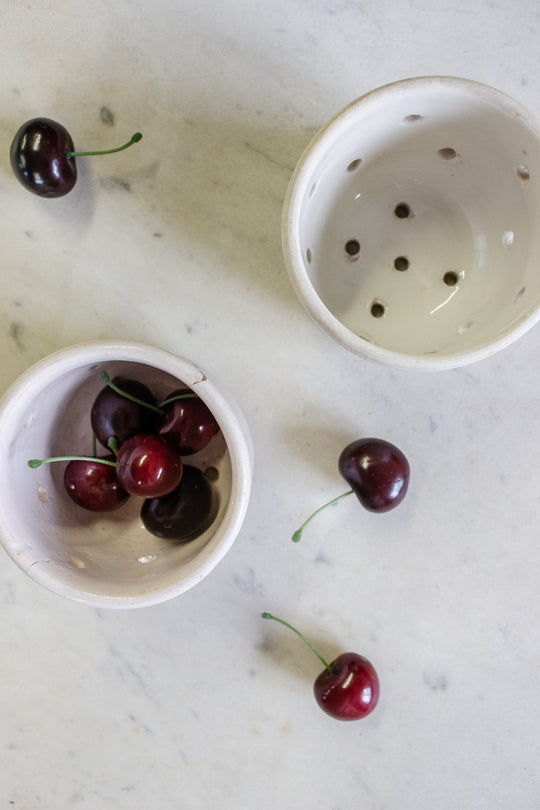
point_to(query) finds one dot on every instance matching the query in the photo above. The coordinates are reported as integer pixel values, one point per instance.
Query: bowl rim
(232, 423)
(300, 182)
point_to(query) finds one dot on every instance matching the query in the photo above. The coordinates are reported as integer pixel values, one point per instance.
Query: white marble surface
(198, 703)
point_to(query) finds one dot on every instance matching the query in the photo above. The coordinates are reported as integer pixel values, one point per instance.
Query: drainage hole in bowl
(309, 255)
(447, 153)
(402, 210)
(401, 263)
(354, 164)
(523, 172)
(377, 309)
(352, 248)
(412, 118)
(450, 278)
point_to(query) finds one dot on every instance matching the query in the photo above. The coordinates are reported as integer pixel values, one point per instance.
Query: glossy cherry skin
(39, 158)
(184, 513)
(188, 423)
(94, 485)
(350, 690)
(148, 465)
(377, 472)
(113, 415)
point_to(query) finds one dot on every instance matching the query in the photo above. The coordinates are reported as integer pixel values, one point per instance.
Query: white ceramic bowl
(108, 560)
(410, 226)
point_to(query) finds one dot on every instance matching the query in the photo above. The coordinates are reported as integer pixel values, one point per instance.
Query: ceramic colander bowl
(410, 225)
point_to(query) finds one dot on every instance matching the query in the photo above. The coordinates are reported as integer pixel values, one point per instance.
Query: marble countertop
(198, 703)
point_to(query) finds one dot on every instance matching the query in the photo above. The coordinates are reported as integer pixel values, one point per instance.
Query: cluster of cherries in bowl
(147, 446)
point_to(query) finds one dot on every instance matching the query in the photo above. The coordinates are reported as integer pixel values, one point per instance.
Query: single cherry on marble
(348, 687)
(378, 473)
(42, 157)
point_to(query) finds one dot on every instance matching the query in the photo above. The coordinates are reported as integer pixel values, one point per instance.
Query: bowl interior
(71, 550)
(413, 219)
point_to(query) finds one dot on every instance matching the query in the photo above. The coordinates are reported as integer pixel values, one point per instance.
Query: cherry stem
(300, 635)
(157, 408)
(134, 139)
(168, 401)
(34, 463)
(106, 379)
(113, 446)
(298, 533)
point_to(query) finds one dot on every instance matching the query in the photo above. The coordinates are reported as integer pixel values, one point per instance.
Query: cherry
(183, 514)
(187, 422)
(123, 408)
(378, 473)
(94, 485)
(348, 687)
(145, 465)
(148, 465)
(39, 157)
(43, 158)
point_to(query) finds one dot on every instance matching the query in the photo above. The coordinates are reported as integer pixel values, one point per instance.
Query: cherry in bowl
(94, 485)
(123, 408)
(185, 513)
(187, 422)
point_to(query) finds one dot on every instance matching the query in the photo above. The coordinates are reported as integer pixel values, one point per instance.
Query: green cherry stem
(165, 402)
(298, 533)
(113, 445)
(156, 408)
(34, 463)
(266, 615)
(134, 139)
(106, 379)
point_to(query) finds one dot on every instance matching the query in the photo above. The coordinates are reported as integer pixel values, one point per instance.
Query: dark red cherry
(377, 471)
(40, 159)
(184, 513)
(188, 423)
(43, 157)
(113, 415)
(148, 465)
(94, 485)
(349, 688)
